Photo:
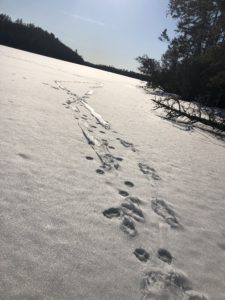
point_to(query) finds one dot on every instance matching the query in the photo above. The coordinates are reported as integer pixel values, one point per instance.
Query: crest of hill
(34, 39)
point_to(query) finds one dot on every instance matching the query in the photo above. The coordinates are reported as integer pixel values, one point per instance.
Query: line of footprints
(157, 283)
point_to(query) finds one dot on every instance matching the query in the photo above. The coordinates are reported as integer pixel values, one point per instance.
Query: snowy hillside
(101, 199)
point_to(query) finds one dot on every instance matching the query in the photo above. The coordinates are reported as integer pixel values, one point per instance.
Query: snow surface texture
(101, 198)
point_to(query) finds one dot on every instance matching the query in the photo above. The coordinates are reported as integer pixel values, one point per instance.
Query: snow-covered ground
(101, 199)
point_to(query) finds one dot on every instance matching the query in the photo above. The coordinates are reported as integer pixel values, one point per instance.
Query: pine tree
(194, 64)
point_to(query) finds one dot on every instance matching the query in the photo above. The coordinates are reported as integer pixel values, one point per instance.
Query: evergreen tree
(194, 64)
(34, 39)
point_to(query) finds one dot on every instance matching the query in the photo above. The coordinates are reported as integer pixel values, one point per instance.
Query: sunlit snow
(100, 197)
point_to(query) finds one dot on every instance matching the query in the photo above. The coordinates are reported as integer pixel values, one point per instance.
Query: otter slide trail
(100, 197)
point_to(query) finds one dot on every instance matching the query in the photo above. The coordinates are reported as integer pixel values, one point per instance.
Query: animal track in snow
(145, 169)
(135, 200)
(54, 87)
(99, 171)
(119, 158)
(24, 156)
(162, 209)
(171, 284)
(128, 226)
(123, 193)
(89, 157)
(129, 212)
(69, 101)
(129, 183)
(112, 212)
(108, 161)
(132, 210)
(127, 144)
(79, 107)
(157, 284)
(141, 254)
(100, 147)
(164, 255)
(105, 142)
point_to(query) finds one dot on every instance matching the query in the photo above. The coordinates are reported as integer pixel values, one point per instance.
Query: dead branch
(174, 109)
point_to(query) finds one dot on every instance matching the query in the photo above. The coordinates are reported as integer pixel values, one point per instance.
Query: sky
(111, 32)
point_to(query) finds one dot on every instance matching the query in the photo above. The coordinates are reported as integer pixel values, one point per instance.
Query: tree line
(193, 65)
(123, 72)
(31, 38)
(34, 39)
